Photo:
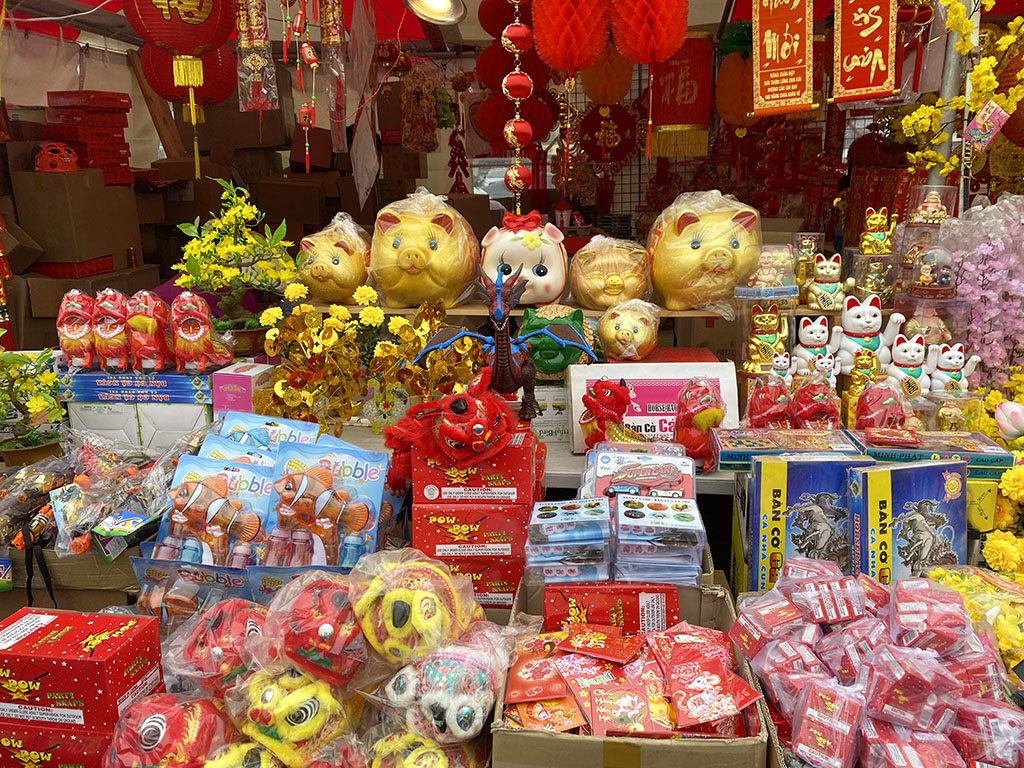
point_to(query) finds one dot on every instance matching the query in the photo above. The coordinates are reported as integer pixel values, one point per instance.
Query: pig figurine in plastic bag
(701, 246)
(332, 262)
(423, 250)
(607, 271)
(522, 240)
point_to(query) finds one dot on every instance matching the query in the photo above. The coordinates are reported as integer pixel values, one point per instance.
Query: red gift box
(844, 650)
(463, 530)
(926, 616)
(495, 579)
(910, 687)
(637, 608)
(507, 477)
(825, 725)
(876, 595)
(75, 669)
(893, 746)
(830, 600)
(31, 745)
(763, 618)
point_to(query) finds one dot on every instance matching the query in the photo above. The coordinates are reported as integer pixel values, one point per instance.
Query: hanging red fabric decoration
(219, 76)
(608, 79)
(681, 100)
(734, 97)
(570, 34)
(257, 76)
(647, 31)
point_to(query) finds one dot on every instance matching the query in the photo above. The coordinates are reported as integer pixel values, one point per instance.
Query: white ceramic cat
(862, 329)
(783, 367)
(813, 339)
(949, 367)
(908, 365)
(828, 366)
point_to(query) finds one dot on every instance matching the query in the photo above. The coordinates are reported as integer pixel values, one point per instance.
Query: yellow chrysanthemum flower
(1001, 551)
(295, 291)
(364, 295)
(397, 323)
(372, 316)
(339, 312)
(271, 315)
(1012, 483)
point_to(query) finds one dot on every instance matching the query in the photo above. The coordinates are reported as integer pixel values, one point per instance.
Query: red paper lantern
(182, 28)
(517, 86)
(518, 178)
(647, 31)
(491, 116)
(516, 37)
(540, 114)
(607, 81)
(734, 96)
(220, 75)
(494, 16)
(569, 35)
(518, 133)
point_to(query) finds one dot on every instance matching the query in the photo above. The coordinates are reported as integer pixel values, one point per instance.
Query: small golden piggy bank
(332, 262)
(629, 331)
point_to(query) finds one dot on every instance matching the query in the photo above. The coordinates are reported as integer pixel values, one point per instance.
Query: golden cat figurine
(769, 331)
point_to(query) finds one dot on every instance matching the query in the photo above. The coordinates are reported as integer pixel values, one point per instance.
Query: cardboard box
(147, 235)
(321, 150)
(166, 387)
(390, 190)
(736, 448)
(507, 477)
(709, 606)
(150, 425)
(225, 128)
(397, 162)
(477, 210)
(291, 198)
(477, 530)
(495, 579)
(552, 425)
(76, 670)
(251, 165)
(45, 293)
(19, 247)
(29, 332)
(234, 386)
(150, 206)
(74, 216)
(365, 215)
(981, 503)
(190, 199)
(26, 745)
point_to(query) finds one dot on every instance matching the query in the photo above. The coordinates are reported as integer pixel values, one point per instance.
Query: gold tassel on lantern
(188, 73)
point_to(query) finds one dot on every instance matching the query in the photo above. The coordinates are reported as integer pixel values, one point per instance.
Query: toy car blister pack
(610, 472)
(908, 518)
(226, 449)
(799, 508)
(219, 513)
(327, 499)
(265, 431)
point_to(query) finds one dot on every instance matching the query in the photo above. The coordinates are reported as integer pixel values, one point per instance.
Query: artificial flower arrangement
(331, 366)
(28, 390)
(227, 256)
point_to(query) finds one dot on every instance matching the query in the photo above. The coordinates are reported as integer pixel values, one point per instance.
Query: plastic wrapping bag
(826, 599)
(26, 491)
(925, 615)
(291, 714)
(423, 250)
(409, 605)
(769, 405)
(448, 695)
(989, 732)
(763, 618)
(815, 405)
(845, 649)
(332, 262)
(311, 622)
(607, 271)
(880, 406)
(702, 246)
(909, 687)
(197, 346)
(884, 745)
(168, 731)
(699, 408)
(402, 749)
(629, 331)
(825, 725)
(211, 649)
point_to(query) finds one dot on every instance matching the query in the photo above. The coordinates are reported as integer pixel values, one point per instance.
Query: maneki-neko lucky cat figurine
(876, 240)
(827, 289)
(769, 331)
(110, 330)
(74, 329)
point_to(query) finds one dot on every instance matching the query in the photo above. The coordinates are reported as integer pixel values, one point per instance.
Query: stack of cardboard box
(67, 678)
(93, 123)
(475, 519)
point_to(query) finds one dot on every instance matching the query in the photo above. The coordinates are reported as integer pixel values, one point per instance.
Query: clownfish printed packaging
(508, 477)
(799, 507)
(76, 671)
(908, 518)
(220, 513)
(327, 504)
(463, 530)
(267, 432)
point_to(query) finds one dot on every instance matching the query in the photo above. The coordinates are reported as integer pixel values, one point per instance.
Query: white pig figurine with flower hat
(523, 240)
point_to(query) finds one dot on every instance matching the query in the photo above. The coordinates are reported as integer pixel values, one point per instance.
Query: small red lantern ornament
(518, 133)
(518, 178)
(517, 86)
(516, 37)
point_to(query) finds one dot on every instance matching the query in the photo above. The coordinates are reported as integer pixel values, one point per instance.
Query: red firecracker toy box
(75, 670)
(470, 530)
(508, 477)
(637, 608)
(495, 579)
(31, 745)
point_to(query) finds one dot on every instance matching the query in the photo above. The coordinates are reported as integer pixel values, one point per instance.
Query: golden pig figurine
(423, 250)
(607, 271)
(701, 247)
(332, 262)
(769, 332)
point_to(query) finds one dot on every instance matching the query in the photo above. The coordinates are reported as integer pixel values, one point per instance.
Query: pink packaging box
(234, 386)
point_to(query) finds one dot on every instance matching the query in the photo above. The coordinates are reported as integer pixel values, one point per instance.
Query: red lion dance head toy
(880, 406)
(212, 649)
(74, 328)
(699, 409)
(768, 405)
(464, 429)
(167, 731)
(815, 405)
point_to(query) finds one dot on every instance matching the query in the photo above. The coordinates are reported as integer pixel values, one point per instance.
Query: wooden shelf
(479, 310)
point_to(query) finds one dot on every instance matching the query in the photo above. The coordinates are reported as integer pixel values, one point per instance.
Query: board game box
(985, 458)
(736, 448)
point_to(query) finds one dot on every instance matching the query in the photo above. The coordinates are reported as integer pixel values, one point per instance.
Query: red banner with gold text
(783, 64)
(864, 66)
